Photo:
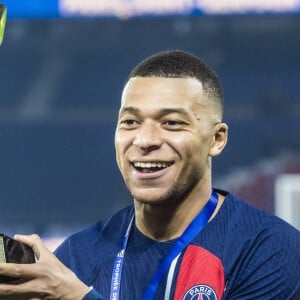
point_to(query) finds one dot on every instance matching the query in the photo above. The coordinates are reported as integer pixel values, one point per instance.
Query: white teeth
(150, 165)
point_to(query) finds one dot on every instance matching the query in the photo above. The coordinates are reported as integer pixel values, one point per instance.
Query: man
(180, 239)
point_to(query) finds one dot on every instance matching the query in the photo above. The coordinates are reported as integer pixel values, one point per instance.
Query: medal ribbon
(188, 235)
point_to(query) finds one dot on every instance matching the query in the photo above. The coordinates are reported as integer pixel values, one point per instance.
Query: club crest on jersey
(200, 292)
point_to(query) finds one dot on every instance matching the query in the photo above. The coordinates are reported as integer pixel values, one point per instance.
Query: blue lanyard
(188, 235)
(118, 265)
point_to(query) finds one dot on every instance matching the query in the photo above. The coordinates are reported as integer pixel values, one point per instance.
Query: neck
(166, 222)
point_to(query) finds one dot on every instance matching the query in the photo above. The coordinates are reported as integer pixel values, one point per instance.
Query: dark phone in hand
(12, 251)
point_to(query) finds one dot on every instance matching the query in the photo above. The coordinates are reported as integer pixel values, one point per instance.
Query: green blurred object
(2, 21)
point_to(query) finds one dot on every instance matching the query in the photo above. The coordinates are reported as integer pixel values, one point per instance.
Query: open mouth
(150, 167)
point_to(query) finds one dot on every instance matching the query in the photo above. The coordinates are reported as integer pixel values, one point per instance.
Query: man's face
(164, 138)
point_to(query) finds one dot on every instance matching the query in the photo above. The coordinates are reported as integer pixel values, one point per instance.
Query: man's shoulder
(240, 226)
(260, 247)
(255, 232)
(105, 231)
(239, 213)
(94, 245)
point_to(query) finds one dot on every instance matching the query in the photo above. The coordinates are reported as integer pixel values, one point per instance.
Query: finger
(17, 292)
(34, 242)
(19, 271)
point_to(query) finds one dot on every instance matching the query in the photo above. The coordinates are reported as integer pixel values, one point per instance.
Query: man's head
(180, 64)
(169, 127)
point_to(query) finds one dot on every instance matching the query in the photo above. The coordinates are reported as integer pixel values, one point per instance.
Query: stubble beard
(176, 194)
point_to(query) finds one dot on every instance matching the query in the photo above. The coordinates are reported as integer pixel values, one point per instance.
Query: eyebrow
(161, 112)
(129, 109)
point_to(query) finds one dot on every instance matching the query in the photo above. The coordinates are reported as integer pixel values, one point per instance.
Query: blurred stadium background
(62, 68)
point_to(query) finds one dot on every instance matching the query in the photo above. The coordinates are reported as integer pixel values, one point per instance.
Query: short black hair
(180, 64)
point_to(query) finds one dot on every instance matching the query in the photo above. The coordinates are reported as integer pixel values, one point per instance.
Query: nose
(148, 137)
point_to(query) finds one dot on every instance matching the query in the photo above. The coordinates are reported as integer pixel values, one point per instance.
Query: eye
(128, 123)
(173, 124)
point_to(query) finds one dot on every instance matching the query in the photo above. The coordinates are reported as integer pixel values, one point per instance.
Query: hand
(46, 279)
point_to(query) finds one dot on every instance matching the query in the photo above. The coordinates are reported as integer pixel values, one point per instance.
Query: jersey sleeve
(269, 268)
(62, 253)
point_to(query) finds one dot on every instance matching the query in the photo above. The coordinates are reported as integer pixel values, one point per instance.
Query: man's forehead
(161, 81)
(161, 86)
(160, 110)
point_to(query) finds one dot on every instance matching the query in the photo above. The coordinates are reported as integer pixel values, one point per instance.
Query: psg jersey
(243, 253)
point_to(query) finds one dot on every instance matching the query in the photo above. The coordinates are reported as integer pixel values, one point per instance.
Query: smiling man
(168, 130)
(181, 239)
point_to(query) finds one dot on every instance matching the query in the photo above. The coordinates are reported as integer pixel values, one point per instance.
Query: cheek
(189, 145)
(122, 143)
(118, 147)
(196, 151)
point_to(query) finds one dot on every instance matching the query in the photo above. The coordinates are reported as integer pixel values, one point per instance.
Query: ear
(219, 140)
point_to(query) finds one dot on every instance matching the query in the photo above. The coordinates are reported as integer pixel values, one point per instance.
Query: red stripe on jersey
(199, 267)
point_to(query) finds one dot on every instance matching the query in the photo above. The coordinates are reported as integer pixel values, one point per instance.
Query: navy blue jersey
(243, 253)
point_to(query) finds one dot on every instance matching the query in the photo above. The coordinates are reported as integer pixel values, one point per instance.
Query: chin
(152, 199)
(150, 202)
(147, 199)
